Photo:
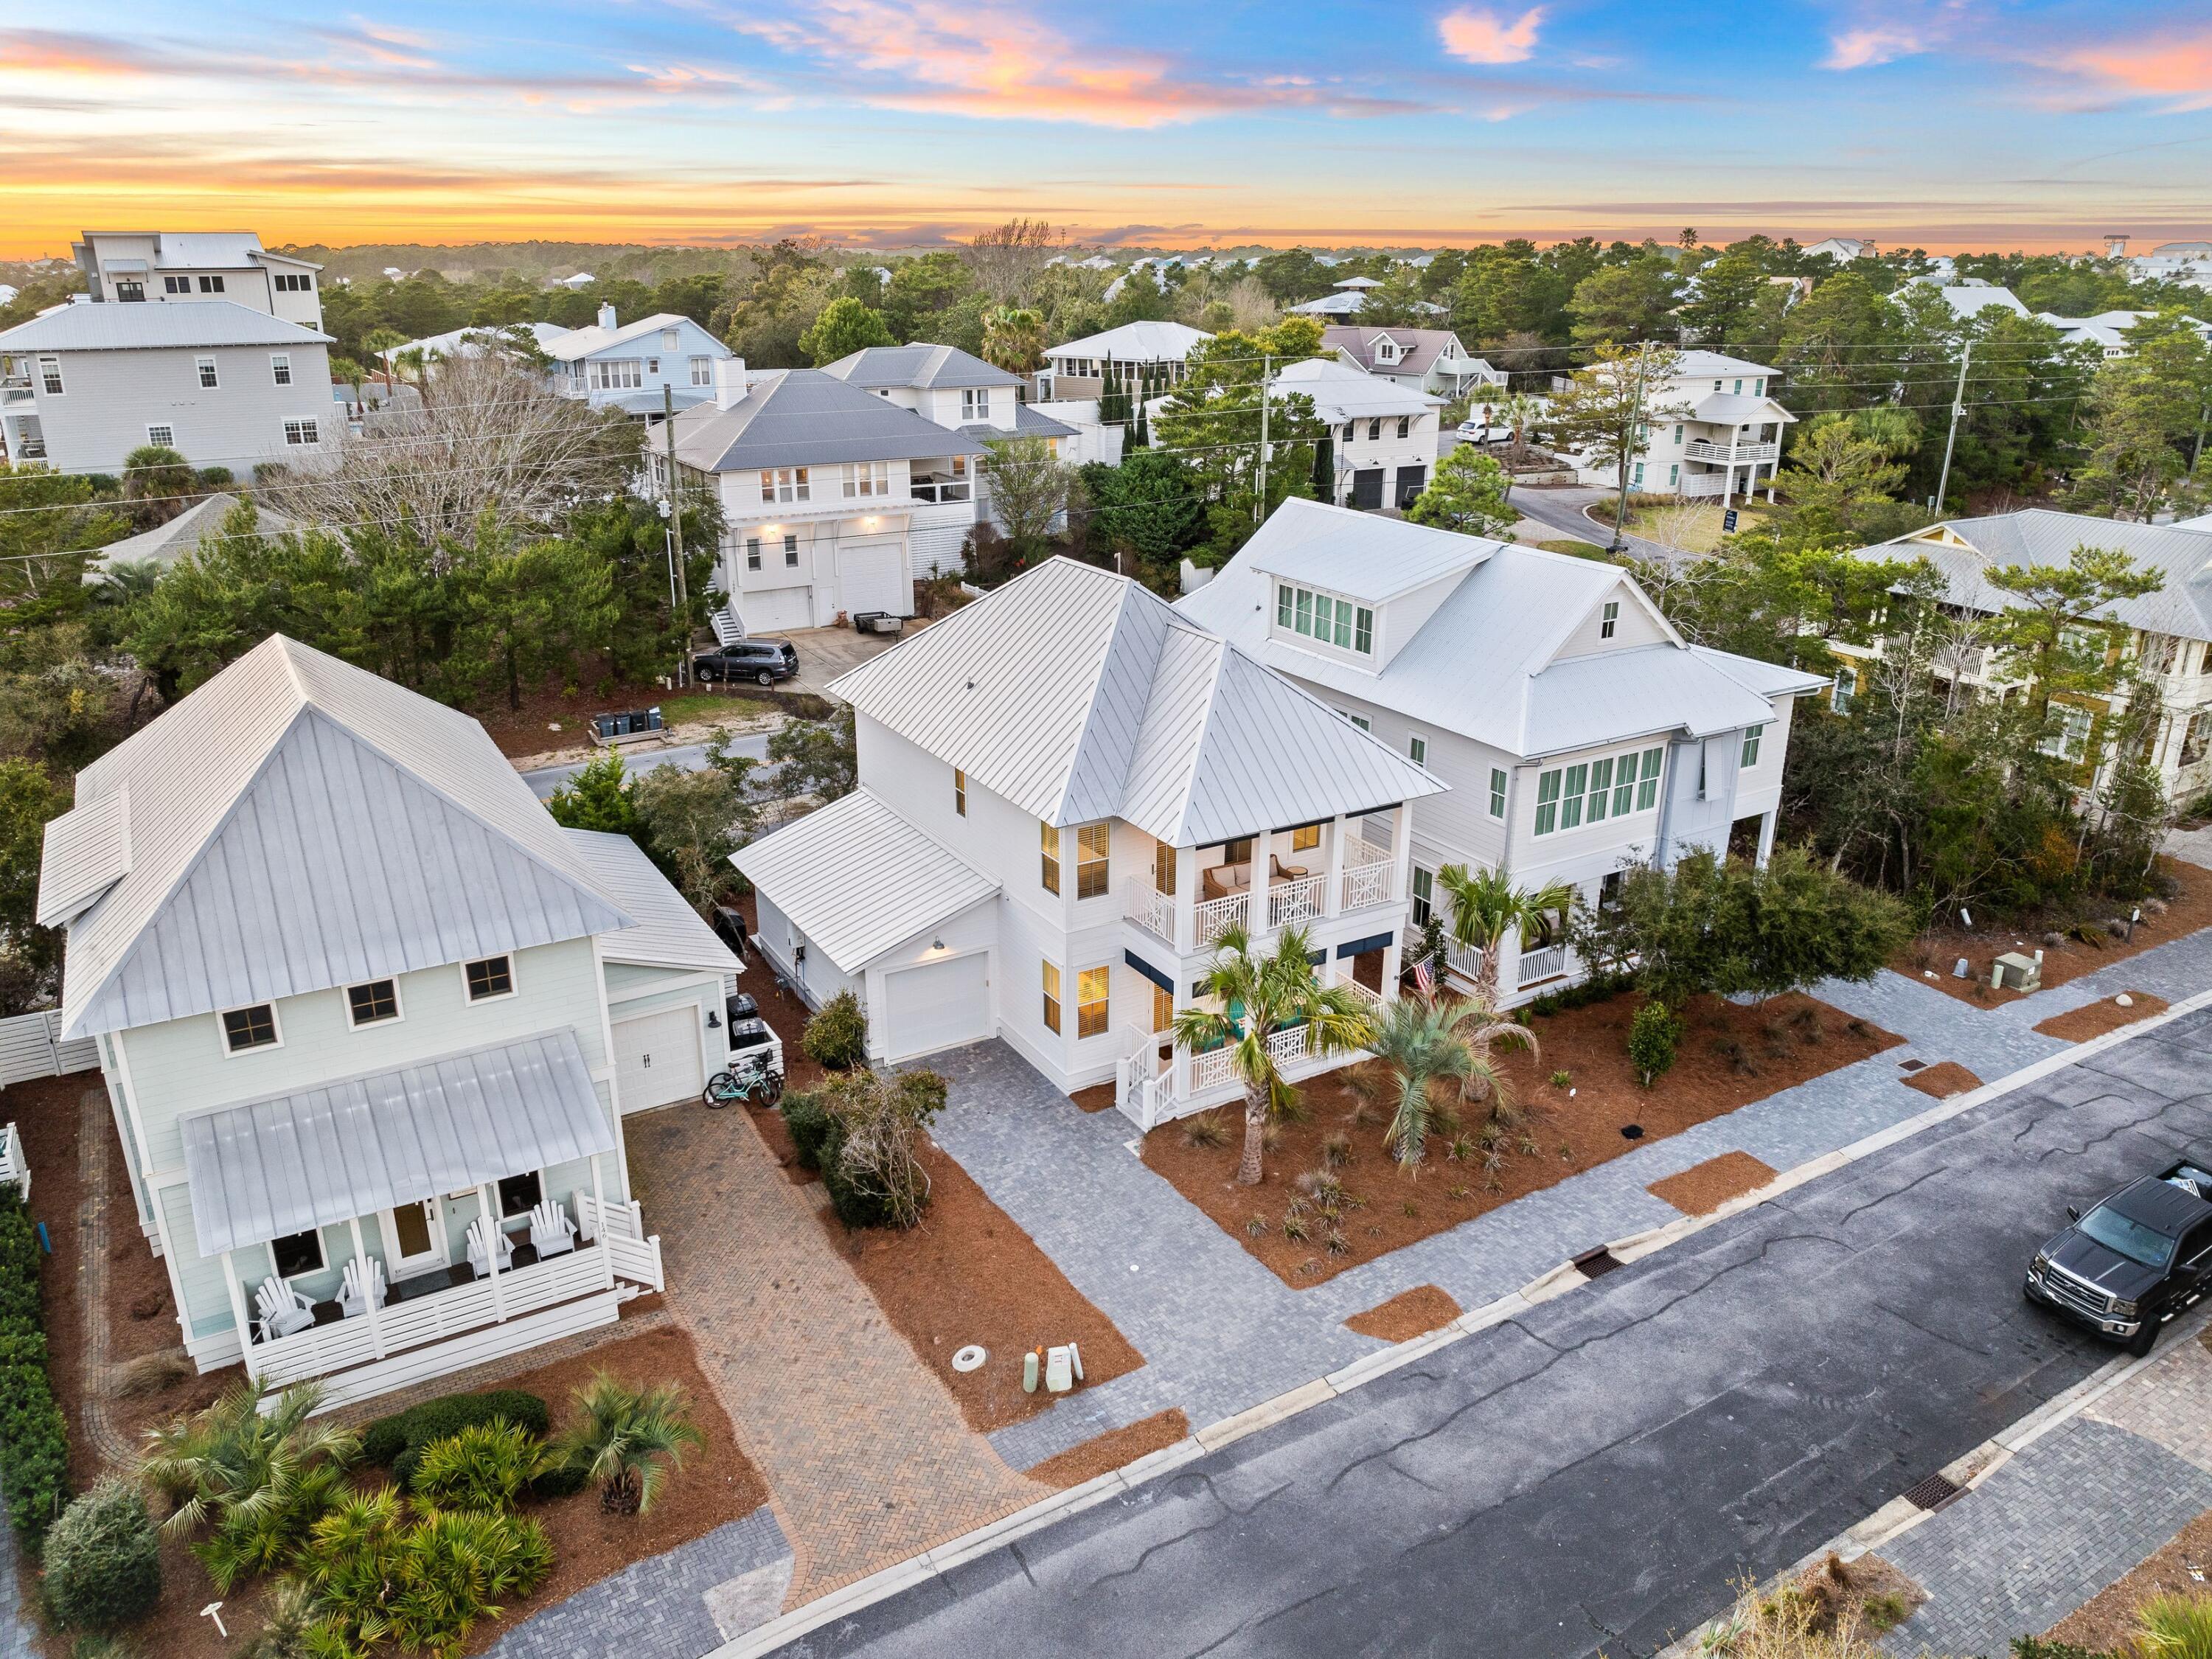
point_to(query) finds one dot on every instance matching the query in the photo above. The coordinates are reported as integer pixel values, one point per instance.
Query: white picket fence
(31, 1046)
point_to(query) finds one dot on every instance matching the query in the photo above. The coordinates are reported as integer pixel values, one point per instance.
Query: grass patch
(714, 706)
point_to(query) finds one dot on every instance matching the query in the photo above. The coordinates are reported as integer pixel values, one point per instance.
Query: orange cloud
(1484, 37)
(48, 52)
(2178, 68)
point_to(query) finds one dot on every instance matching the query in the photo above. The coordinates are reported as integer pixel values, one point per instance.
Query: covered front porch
(1271, 879)
(377, 1232)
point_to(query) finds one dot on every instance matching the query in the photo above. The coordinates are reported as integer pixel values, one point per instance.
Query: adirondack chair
(350, 1299)
(283, 1309)
(480, 1252)
(551, 1232)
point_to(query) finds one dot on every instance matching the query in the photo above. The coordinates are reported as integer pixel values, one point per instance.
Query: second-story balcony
(1298, 891)
(1699, 449)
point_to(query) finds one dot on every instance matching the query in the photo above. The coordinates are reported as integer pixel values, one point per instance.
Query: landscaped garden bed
(1941, 1080)
(1407, 1314)
(1114, 1450)
(2094, 1019)
(1729, 1056)
(2106, 1622)
(1703, 1188)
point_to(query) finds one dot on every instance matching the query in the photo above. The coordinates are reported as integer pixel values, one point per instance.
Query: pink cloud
(1484, 37)
(1880, 43)
(2177, 68)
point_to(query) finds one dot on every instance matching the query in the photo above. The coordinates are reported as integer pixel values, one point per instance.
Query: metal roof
(921, 366)
(1077, 695)
(1341, 393)
(669, 932)
(1692, 365)
(1482, 661)
(297, 823)
(803, 417)
(1726, 409)
(857, 878)
(577, 342)
(87, 851)
(2038, 536)
(1135, 343)
(151, 326)
(276, 1167)
(1028, 422)
(165, 544)
(1309, 547)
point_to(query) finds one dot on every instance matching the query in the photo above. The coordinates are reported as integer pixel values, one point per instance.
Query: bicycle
(755, 1084)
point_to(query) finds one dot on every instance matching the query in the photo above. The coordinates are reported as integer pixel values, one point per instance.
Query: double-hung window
(176, 285)
(752, 553)
(204, 366)
(866, 479)
(1609, 619)
(1091, 986)
(616, 373)
(1570, 799)
(1647, 788)
(1425, 896)
(1548, 802)
(1498, 792)
(280, 367)
(786, 483)
(975, 403)
(1324, 619)
(1091, 841)
(791, 550)
(1600, 789)
(1051, 977)
(1405, 426)
(1417, 751)
(1375, 430)
(1048, 851)
(302, 432)
(1751, 736)
(50, 375)
(1841, 690)
(702, 371)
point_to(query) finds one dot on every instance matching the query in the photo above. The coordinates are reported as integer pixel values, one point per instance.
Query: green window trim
(1548, 802)
(1647, 790)
(1305, 611)
(1600, 790)
(1286, 603)
(1497, 791)
(1751, 736)
(1571, 803)
(1624, 785)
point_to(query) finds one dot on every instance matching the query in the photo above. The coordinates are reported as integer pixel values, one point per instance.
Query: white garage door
(871, 579)
(939, 1005)
(773, 609)
(657, 1059)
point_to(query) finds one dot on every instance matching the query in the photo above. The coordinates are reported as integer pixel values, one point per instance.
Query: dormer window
(1608, 619)
(1324, 618)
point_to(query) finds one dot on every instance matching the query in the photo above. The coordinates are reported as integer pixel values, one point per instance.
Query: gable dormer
(1622, 620)
(1361, 613)
(1387, 351)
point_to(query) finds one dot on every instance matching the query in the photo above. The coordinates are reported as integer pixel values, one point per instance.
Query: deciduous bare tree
(1006, 258)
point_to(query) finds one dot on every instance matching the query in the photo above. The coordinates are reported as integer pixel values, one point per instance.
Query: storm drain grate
(1599, 1261)
(1911, 1064)
(1933, 1493)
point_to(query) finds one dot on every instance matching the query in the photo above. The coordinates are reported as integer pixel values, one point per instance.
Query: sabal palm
(1013, 338)
(1275, 992)
(1425, 1047)
(233, 1462)
(628, 1439)
(1486, 906)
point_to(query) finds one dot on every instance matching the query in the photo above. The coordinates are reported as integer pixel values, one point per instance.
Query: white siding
(110, 397)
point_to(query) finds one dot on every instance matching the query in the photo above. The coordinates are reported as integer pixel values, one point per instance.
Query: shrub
(486, 1466)
(837, 1037)
(396, 1441)
(1652, 1037)
(808, 1120)
(34, 1434)
(628, 1439)
(103, 1561)
(2031, 1647)
(869, 1162)
(1206, 1129)
(2175, 1627)
(424, 1580)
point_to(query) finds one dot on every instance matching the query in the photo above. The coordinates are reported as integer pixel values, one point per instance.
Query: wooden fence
(30, 1047)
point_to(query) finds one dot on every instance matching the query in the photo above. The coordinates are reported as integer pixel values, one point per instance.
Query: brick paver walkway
(866, 1456)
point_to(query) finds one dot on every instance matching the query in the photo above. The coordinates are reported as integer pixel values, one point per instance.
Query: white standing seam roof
(1135, 343)
(576, 342)
(2180, 554)
(669, 932)
(1341, 393)
(203, 520)
(298, 824)
(1077, 695)
(274, 1167)
(170, 324)
(1486, 661)
(857, 878)
(87, 851)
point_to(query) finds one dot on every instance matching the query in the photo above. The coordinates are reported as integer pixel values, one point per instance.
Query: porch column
(1766, 836)
(1394, 964)
(600, 1227)
(491, 1251)
(238, 1313)
(1262, 846)
(367, 1286)
(1332, 895)
(1178, 1056)
(1186, 900)
(1401, 852)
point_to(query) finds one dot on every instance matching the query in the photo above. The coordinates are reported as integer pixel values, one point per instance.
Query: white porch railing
(1465, 960)
(1549, 963)
(12, 1166)
(1150, 909)
(1372, 1000)
(1294, 1044)
(1217, 916)
(1720, 454)
(1368, 881)
(1292, 903)
(635, 1253)
(1213, 1068)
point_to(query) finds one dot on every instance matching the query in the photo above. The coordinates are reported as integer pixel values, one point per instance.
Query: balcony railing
(1217, 916)
(1293, 903)
(13, 1168)
(936, 491)
(1740, 455)
(1536, 966)
(1149, 908)
(1697, 485)
(1212, 1069)
(1367, 870)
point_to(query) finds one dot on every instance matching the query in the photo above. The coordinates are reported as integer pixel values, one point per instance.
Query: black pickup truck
(2136, 1261)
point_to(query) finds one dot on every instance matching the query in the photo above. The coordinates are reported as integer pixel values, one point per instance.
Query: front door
(415, 1238)
(1367, 487)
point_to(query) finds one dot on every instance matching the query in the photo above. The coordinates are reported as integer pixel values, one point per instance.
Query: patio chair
(283, 1309)
(1282, 872)
(551, 1232)
(351, 1301)
(480, 1252)
(1225, 881)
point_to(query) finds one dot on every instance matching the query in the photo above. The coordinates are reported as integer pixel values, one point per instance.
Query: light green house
(354, 991)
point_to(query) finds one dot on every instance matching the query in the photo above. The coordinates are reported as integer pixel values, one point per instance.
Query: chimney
(607, 319)
(729, 381)
(2116, 247)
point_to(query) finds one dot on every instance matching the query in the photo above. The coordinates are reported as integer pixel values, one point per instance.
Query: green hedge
(396, 1441)
(817, 1137)
(810, 1126)
(103, 1560)
(34, 1434)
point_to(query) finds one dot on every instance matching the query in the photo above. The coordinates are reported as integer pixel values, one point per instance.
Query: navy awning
(1360, 947)
(1165, 982)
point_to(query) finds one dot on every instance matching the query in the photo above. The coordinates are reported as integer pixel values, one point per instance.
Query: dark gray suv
(762, 661)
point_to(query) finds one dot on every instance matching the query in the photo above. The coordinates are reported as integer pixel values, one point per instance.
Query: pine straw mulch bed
(1114, 1450)
(1729, 1057)
(2105, 1623)
(2094, 1019)
(1703, 1188)
(1930, 957)
(1407, 1314)
(1941, 1080)
(714, 1486)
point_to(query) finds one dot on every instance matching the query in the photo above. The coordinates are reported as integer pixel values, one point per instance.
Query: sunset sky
(1959, 124)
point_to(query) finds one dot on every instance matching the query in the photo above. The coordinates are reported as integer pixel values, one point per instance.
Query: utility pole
(1634, 434)
(676, 538)
(1958, 404)
(1260, 507)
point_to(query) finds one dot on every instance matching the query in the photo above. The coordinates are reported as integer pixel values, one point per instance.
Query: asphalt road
(1594, 1477)
(689, 757)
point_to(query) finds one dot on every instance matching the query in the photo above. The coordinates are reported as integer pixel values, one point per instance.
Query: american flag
(1424, 976)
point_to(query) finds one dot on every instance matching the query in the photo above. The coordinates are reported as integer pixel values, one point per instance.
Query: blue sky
(1956, 123)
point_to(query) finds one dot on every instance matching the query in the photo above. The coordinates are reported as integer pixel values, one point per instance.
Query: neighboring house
(474, 340)
(82, 385)
(1141, 359)
(2169, 633)
(574, 280)
(165, 544)
(1067, 794)
(1714, 431)
(638, 368)
(354, 991)
(1420, 359)
(2107, 331)
(821, 485)
(1344, 299)
(2186, 263)
(1383, 435)
(1842, 249)
(1972, 296)
(166, 265)
(1576, 730)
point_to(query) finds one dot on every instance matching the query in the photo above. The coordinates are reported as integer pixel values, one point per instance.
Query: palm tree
(1013, 339)
(1425, 1047)
(378, 345)
(1485, 906)
(1257, 996)
(627, 1439)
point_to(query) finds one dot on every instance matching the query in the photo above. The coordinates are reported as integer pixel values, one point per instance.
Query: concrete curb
(1974, 1467)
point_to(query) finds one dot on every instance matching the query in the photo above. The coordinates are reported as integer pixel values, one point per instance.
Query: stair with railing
(728, 631)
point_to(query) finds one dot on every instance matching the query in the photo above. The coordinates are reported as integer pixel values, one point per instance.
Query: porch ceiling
(276, 1167)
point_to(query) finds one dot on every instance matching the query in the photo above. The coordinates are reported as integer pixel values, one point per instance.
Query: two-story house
(1068, 793)
(369, 1019)
(1383, 434)
(1142, 359)
(223, 384)
(639, 367)
(819, 483)
(1712, 429)
(122, 266)
(1420, 359)
(1577, 729)
(2167, 633)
